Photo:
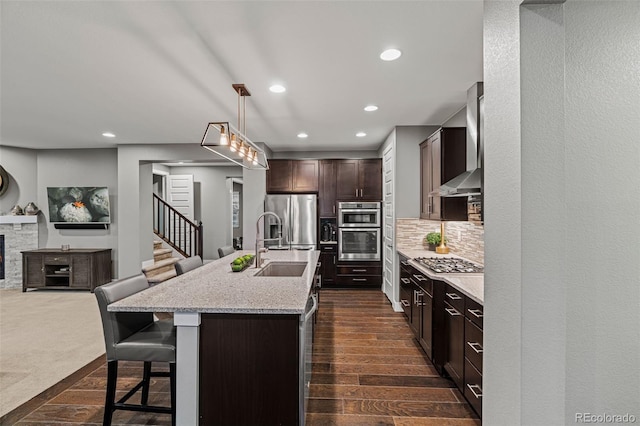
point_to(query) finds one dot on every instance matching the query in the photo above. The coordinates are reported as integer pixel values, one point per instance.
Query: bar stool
(186, 265)
(225, 251)
(135, 336)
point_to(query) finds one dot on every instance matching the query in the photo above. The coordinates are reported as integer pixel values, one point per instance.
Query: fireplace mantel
(9, 219)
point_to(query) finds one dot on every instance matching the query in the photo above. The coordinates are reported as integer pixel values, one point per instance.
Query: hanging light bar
(232, 143)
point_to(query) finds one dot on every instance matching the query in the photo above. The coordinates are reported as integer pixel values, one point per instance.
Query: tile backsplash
(465, 239)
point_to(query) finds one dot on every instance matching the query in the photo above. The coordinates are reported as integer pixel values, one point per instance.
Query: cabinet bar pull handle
(405, 303)
(452, 312)
(361, 195)
(358, 279)
(419, 277)
(404, 262)
(356, 192)
(453, 296)
(475, 346)
(359, 270)
(475, 312)
(334, 209)
(334, 259)
(472, 389)
(405, 280)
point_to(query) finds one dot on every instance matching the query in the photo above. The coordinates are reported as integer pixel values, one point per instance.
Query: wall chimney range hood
(470, 182)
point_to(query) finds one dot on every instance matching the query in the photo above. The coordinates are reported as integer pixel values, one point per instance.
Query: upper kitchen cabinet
(297, 176)
(443, 156)
(327, 188)
(359, 180)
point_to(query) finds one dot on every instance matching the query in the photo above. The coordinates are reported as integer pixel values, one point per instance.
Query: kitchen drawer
(473, 387)
(359, 270)
(473, 344)
(455, 298)
(474, 312)
(51, 259)
(423, 282)
(329, 248)
(359, 280)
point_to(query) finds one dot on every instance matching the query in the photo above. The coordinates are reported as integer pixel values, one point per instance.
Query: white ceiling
(158, 71)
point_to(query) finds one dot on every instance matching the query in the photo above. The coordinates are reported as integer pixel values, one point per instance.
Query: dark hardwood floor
(368, 370)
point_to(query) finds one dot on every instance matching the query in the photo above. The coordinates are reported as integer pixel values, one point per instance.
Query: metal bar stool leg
(172, 381)
(112, 377)
(146, 381)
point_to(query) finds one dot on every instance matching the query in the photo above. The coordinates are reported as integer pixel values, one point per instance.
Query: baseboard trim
(23, 410)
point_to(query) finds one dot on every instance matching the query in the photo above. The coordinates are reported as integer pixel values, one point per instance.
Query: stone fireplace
(20, 233)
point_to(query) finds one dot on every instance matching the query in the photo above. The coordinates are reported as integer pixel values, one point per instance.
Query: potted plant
(433, 240)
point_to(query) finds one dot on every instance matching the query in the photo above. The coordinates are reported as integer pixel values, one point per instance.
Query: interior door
(388, 221)
(180, 197)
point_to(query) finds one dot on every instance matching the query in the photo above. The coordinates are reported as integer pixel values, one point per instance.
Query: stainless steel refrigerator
(298, 214)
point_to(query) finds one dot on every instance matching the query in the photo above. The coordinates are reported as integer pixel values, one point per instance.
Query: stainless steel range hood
(469, 183)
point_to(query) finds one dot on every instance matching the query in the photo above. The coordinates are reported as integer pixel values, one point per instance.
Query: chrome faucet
(258, 239)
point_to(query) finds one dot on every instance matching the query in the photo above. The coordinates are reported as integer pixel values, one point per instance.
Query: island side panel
(249, 369)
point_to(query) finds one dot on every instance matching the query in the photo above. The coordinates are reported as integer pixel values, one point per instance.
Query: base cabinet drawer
(473, 386)
(368, 280)
(359, 270)
(473, 344)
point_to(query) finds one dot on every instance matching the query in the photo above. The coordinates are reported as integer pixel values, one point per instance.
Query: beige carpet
(44, 337)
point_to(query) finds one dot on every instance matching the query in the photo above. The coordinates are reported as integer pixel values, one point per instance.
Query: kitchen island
(242, 339)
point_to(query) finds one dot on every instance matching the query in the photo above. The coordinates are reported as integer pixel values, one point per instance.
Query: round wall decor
(4, 181)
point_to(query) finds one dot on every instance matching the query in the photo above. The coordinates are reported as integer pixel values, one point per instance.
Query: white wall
(78, 167)
(214, 204)
(135, 200)
(21, 165)
(561, 299)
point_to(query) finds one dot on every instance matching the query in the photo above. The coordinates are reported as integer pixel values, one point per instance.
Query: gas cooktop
(448, 265)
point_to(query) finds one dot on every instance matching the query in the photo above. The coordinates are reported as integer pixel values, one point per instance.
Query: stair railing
(176, 229)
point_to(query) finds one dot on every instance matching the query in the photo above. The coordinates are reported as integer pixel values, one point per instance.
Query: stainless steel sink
(282, 269)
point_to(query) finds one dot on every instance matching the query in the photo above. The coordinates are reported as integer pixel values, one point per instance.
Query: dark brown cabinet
(328, 253)
(366, 274)
(297, 176)
(359, 180)
(473, 337)
(66, 269)
(249, 369)
(327, 189)
(454, 330)
(406, 288)
(443, 156)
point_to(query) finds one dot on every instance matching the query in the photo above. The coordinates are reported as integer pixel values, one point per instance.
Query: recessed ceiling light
(370, 108)
(361, 134)
(303, 135)
(390, 55)
(277, 88)
(108, 135)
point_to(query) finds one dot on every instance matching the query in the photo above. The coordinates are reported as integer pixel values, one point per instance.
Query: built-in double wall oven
(359, 231)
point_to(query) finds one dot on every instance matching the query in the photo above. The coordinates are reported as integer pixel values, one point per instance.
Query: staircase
(163, 264)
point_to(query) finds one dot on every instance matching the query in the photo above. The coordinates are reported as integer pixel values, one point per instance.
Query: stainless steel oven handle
(313, 309)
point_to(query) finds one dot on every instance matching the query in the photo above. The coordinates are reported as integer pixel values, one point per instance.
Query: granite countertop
(471, 284)
(213, 288)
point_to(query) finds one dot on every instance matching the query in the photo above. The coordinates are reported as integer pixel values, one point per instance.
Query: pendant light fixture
(232, 142)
